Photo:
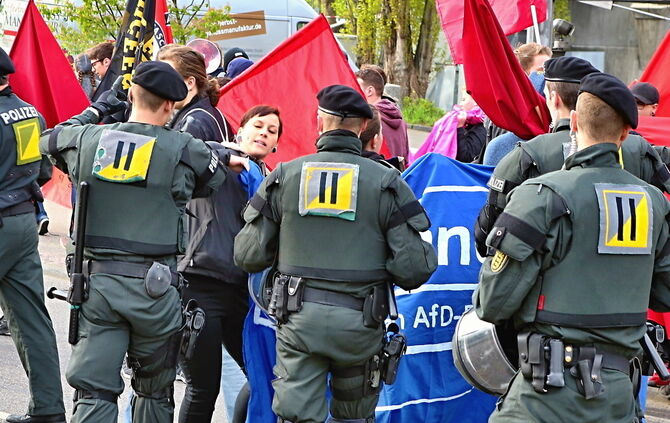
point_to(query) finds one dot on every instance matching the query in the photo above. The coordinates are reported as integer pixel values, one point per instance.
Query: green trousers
(567, 405)
(313, 341)
(120, 317)
(22, 301)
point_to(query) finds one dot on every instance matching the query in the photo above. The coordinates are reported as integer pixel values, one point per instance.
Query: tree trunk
(423, 58)
(326, 7)
(390, 42)
(402, 68)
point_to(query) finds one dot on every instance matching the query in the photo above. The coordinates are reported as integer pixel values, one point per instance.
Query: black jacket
(202, 120)
(214, 221)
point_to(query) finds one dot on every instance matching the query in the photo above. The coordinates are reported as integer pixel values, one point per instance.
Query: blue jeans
(40, 213)
(232, 380)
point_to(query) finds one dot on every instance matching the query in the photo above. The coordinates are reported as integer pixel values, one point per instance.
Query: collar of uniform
(599, 155)
(339, 140)
(7, 91)
(372, 155)
(562, 125)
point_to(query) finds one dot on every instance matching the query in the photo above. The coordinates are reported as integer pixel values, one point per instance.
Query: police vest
(605, 278)
(548, 152)
(130, 168)
(20, 128)
(331, 222)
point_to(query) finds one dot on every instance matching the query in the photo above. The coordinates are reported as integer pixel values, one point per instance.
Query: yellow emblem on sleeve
(27, 134)
(499, 261)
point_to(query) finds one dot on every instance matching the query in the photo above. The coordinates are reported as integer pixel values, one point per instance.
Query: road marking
(3, 416)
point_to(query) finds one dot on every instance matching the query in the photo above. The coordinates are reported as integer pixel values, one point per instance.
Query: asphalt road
(14, 394)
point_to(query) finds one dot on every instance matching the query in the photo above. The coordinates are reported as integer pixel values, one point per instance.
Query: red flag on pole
(494, 78)
(513, 15)
(656, 74)
(45, 79)
(162, 28)
(289, 77)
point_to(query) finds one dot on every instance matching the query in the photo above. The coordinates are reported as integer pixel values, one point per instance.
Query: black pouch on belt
(587, 373)
(294, 291)
(157, 280)
(376, 307)
(280, 298)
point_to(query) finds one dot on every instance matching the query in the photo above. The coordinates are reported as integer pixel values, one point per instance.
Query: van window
(300, 24)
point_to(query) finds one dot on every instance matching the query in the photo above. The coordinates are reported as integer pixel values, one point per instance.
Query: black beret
(613, 92)
(343, 101)
(645, 93)
(6, 64)
(233, 53)
(567, 69)
(161, 79)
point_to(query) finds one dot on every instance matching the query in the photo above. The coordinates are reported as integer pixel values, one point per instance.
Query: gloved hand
(112, 100)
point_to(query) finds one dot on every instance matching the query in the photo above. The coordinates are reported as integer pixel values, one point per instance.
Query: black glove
(112, 100)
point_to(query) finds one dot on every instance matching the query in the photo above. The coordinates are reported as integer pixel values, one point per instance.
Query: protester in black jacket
(197, 113)
(214, 281)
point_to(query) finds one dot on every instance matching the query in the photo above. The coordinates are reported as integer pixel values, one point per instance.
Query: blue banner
(428, 388)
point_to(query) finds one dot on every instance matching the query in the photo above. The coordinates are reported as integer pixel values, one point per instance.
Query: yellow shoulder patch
(499, 261)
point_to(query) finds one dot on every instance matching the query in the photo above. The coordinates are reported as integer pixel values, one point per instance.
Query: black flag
(134, 44)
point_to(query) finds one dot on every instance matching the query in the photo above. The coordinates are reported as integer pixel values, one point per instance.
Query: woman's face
(260, 135)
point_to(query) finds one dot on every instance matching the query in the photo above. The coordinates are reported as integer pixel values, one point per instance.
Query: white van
(258, 26)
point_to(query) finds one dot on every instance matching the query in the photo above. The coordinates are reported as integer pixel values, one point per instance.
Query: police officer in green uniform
(21, 284)
(580, 254)
(339, 227)
(546, 153)
(141, 175)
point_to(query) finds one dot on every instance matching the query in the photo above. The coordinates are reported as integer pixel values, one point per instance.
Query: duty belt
(17, 209)
(321, 296)
(124, 268)
(610, 361)
(543, 360)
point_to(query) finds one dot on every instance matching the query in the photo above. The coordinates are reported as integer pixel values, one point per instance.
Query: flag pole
(536, 25)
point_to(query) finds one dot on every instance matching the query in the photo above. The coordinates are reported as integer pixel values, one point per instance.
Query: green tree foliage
(79, 27)
(420, 111)
(562, 10)
(399, 35)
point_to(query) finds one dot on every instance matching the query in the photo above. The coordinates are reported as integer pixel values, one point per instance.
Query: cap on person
(161, 79)
(343, 101)
(645, 93)
(567, 69)
(237, 66)
(232, 54)
(6, 64)
(613, 92)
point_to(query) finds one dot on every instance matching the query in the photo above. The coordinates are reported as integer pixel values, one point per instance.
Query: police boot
(26, 418)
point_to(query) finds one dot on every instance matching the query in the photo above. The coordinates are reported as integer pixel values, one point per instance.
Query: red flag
(656, 74)
(289, 77)
(494, 77)
(513, 15)
(655, 129)
(45, 79)
(162, 28)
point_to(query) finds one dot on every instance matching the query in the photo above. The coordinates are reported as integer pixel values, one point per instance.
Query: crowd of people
(181, 209)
